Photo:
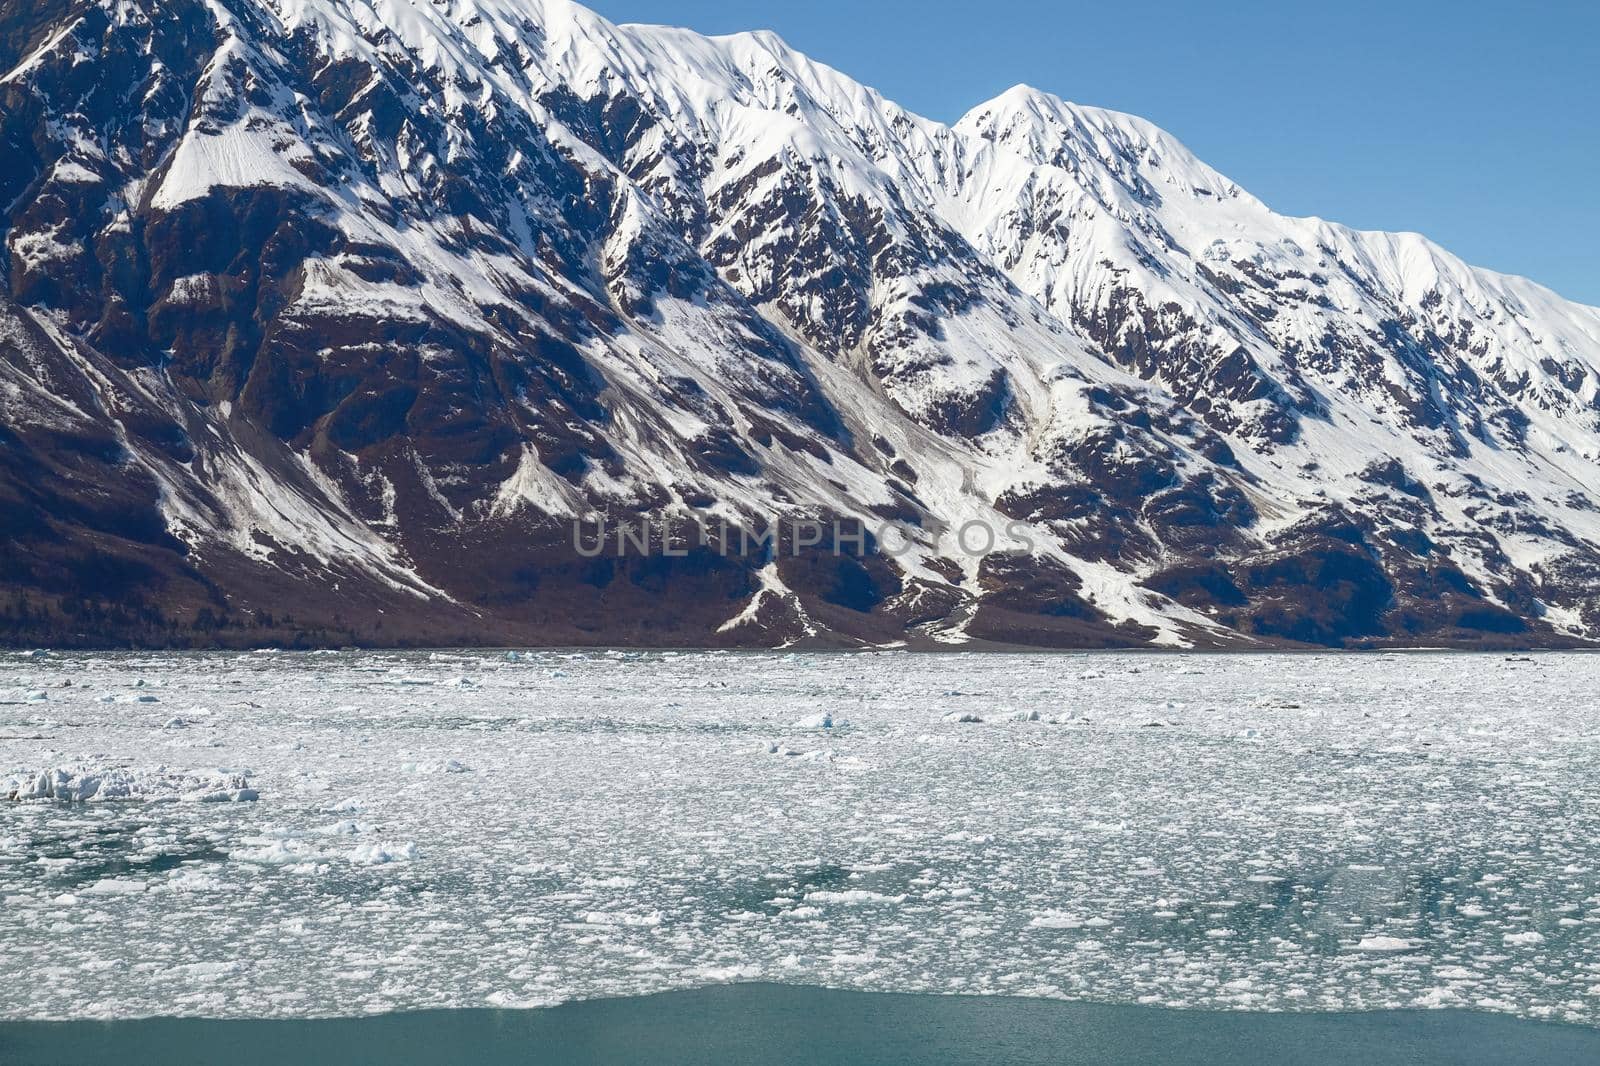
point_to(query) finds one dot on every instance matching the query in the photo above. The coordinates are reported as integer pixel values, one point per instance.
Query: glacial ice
(83, 785)
(1309, 832)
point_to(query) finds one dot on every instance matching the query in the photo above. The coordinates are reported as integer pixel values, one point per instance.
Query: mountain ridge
(365, 309)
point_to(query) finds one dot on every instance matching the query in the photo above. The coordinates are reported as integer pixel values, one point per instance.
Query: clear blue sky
(1475, 124)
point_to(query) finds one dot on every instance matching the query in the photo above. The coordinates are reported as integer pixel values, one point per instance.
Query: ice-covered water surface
(338, 834)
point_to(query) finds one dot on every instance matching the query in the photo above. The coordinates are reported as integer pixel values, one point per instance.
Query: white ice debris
(622, 919)
(113, 886)
(853, 896)
(1056, 920)
(443, 766)
(84, 785)
(629, 824)
(380, 854)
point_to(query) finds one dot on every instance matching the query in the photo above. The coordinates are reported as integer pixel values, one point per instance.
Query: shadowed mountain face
(374, 321)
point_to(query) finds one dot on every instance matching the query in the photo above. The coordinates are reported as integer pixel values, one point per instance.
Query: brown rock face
(312, 334)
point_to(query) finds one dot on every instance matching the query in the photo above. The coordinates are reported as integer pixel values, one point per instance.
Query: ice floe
(1302, 833)
(83, 785)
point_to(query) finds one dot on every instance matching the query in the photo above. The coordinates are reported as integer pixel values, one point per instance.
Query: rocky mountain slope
(330, 321)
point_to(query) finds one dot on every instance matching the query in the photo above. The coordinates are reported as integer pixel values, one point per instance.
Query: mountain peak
(1020, 97)
(1048, 130)
(1023, 101)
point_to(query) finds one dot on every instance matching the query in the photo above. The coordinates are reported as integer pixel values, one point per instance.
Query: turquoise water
(760, 1023)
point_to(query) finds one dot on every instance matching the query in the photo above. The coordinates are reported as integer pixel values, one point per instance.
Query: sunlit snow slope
(326, 320)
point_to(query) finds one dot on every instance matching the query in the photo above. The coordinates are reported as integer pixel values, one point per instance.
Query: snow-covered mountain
(328, 320)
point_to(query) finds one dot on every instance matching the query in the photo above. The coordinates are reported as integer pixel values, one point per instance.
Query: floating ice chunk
(202, 971)
(382, 854)
(620, 918)
(962, 716)
(512, 1001)
(1056, 920)
(775, 748)
(816, 721)
(852, 897)
(129, 697)
(612, 882)
(80, 785)
(223, 792)
(1023, 716)
(738, 972)
(963, 836)
(195, 881)
(448, 766)
(113, 886)
(1435, 998)
(1527, 939)
(1386, 944)
(279, 851)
